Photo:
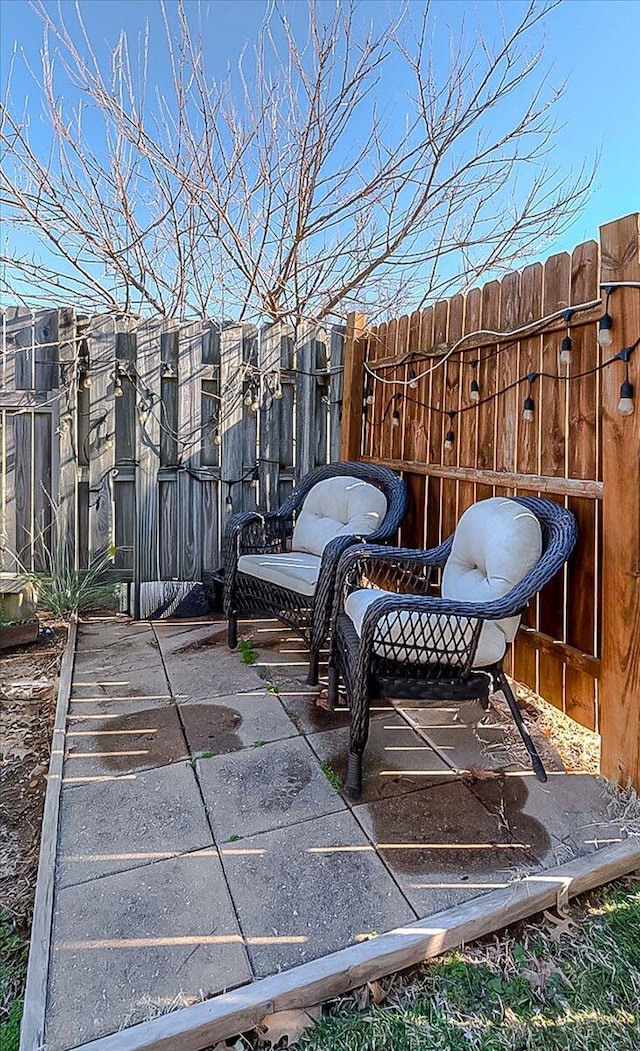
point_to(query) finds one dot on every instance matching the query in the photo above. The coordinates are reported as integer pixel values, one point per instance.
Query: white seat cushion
(496, 543)
(491, 645)
(342, 506)
(295, 570)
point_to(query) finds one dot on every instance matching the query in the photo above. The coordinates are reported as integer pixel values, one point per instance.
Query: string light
(217, 440)
(528, 408)
(450, 435)
(117, 388)
(625, 405)
(566, 347)
(169, 370)
(474, 391)
(368, 396)
(229, 502)
(605, 324)
(413, 379)
(395, 418)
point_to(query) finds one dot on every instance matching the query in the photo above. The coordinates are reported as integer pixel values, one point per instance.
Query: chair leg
(536, 761)
(354, 776)
(358, 736)
(312, 677)
(332, 693)
(232, 631)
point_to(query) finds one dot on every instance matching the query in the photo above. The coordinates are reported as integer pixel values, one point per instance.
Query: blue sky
(591, 44)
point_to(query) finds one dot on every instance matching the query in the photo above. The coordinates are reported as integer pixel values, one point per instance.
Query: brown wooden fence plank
(490, 380)
(620, 683)
(582, 462)
(146, 561)
(468, 423)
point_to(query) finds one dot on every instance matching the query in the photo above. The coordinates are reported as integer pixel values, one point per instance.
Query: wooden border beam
(196, 1027)
(35, 997)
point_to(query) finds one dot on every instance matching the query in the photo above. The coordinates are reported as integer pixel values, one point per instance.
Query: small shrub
(64, 590)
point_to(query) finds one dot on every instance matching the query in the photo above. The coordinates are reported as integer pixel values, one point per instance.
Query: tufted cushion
(496, 543)
(294, 570)
(491, 645)
(342, 506)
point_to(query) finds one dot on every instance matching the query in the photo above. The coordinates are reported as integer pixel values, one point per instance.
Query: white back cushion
(496, 543)
(337, 507)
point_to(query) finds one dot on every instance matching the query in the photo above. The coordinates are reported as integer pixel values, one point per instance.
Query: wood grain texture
(146, 561)
(354, 348)
(197, 1027)
(620, 683)
(99, 443)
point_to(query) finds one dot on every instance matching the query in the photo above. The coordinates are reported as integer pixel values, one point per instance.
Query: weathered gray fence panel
(136, 431)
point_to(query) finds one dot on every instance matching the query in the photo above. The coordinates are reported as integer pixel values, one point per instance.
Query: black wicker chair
(411, 644)
(308, 610)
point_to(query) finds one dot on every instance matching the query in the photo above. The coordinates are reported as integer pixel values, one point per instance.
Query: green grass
(247, 651)
(13, 970)
(520, 991)
(332, 777)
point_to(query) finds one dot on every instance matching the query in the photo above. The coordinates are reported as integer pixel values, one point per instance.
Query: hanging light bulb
(277, 392)
(474, 392)
(217, 440)
(528, 409)
(395, 418)
(143, 412)
(449, 440)
(248, 398)
(87, 381)
(254, 405)
(413, 379)
(117, 387)
(368, 396)
(229, 504)
(605, 325)
(625, 405)
(566, 351)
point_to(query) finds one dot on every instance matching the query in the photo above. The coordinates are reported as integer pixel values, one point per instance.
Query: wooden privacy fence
(458, 433)
(144, 435)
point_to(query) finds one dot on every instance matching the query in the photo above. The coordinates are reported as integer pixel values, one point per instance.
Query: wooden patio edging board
(35, 997)
(194, 1028)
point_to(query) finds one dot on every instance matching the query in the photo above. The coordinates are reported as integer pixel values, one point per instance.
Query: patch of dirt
(217, 638)
(578, 748)
(28, 690)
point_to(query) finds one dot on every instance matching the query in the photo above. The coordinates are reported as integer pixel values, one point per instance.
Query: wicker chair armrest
(509, 606)
(392, 568)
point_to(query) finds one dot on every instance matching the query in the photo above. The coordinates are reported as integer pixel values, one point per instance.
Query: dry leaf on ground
(482, 773)
(289, 1025)
(561, 923)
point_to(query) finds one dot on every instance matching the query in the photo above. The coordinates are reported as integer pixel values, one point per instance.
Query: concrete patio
(203, 841)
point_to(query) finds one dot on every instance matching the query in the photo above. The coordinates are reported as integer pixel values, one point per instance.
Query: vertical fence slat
(146, 561)
(305, 363)
(100, 438)
(336, 361)
(189, 448)
(232, 410)
(67, 513)
(582, 462)
(9, 518)
(270, 416)
(620, 681)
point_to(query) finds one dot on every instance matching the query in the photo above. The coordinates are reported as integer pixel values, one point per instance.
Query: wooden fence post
(620, 680)
(353, 376)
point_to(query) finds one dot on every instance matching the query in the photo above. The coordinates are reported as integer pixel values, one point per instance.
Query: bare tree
(290, 189)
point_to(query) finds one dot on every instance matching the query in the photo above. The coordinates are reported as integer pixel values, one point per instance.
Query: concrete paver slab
(443, 846)
(132, 741)
(575, 811)
(259, 789)
(230, 723)
(125, 822)
(306, 892)
(200, 666)
(136, 940)
(98, 635)
(396, 760)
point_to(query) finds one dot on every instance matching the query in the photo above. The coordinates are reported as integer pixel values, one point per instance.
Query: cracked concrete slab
(124, 822)
(127, 945)
(443, 846)
(396, 760)
(230, 723)
(576, 811)
(131, 741)
(303, 893)
(258, 789)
